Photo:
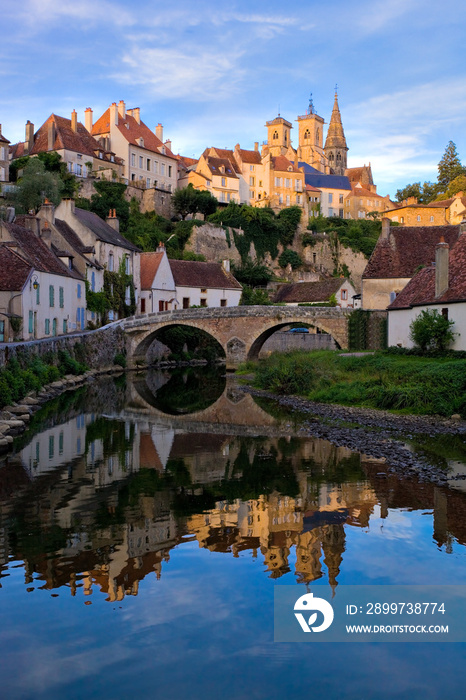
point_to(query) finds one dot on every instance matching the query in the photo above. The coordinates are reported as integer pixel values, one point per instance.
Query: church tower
(310, 148)
(278, 136)
(335, 144)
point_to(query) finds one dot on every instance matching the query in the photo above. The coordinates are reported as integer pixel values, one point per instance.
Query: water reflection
(98, 502)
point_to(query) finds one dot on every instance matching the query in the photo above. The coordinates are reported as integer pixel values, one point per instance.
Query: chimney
(168, 144)
(113, 114)
(137, 114)
(160, 248)
(74, 121)
(46, 234)
(122, 109)
(112, 220)
(385, 228)
(159, 131)
(47, 212)
(66, 208)
(256, 146)
(51, 134)
(442, 253)
(88, 119)
(29, 142)
(226, 265)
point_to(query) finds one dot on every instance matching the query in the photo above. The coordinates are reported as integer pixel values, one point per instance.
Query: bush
(432, 330)
(119, 359)
(290, 257)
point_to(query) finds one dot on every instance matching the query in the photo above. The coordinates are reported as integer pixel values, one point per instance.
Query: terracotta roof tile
(225, 154)
(187, 273)
(282, 164)
(3, 139)
(14, 271)
(406, 248)
(79, 142)
(149, 265)
(420, 290)
(221, 166)
(309, 291)
(250, 156)
(132, 131)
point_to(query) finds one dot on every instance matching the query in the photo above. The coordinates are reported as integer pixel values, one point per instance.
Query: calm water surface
(144, 525)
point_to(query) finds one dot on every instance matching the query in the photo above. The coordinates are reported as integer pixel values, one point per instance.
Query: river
(146, 520)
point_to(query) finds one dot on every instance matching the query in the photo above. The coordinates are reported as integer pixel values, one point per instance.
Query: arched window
(338, 157)
(285, 136)
(317, 135)
(331, 157)
(275, 135)
(307, 135)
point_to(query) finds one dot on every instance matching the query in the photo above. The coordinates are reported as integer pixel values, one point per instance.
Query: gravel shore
(375, 433)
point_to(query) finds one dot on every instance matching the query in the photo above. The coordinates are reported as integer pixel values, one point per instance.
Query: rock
(29, 401)
(19, 410)
(456, 416)
(25, 417)
(3, 443)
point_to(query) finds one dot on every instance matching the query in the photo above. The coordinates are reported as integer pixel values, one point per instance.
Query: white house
(205, 284)
(158, 292)
(440, 286)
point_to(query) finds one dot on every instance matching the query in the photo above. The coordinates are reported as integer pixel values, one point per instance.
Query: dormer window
(101, 155)
(79, 155)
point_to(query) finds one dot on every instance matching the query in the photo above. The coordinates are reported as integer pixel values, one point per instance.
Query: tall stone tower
(335, 144)
(278, 136)
(310, 148)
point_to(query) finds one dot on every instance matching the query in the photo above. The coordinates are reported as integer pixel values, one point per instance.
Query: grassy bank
(407, 384)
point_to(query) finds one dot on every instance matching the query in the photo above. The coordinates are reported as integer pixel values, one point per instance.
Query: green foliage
(252, 273)
(432, 330)
(187, 201)
(254, 297)
(35, 186)
(290, 257)
(119, 359)
(53, 163)
(456, 185)
(289, 219)
(383, 380)
(424, 193)
(449, 166)
(359, 235)
(110, 195)
(115, 286)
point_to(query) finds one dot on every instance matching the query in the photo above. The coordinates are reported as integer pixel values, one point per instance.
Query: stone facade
(212, 242)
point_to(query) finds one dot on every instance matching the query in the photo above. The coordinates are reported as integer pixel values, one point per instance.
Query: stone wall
(212, 242)
(284, 342)
(322, 257)
(97, 349)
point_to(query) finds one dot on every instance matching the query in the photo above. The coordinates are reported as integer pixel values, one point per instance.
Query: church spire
(335, 143)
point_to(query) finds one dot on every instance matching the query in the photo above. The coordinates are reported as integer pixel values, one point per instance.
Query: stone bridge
(240, 330)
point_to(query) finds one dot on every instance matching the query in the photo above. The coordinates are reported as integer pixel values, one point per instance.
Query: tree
(290, 257)
(413, 190)
(456, 185)
(430, 330)
(252, 273)
(110, 195)
(449, 166)
(187, 201)
(53, 163)
(424, 193)
(35, 186)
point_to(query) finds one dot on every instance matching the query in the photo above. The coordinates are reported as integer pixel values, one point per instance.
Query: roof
(226, 154)
(3, 139)
(37, 253)
(278, 120)
(250, 156)
(310, 188)
(330, 182)
(420, 290)
(102, 230)
(360, 174)
(405, 249)
(150, 263)
(220, 166)
(187, 273)
(282, 163)
(335, 134)
(132, 132)
(14, 271)
(364, 192)
(309, 291)
(79, 141)
(74, 241)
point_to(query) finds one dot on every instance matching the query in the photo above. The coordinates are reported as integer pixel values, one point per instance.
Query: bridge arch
(258, 343)
(141, 349)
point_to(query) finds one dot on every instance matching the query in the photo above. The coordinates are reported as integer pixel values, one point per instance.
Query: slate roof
(75, 242)
(420, 290)
(406, 248)
(322, 181)
(216, 165)
(132, 131)
(150, 263)
(14, 271)
(312, 292)
(187, 273)
(37, 253)
(102, 230)
(227, 154)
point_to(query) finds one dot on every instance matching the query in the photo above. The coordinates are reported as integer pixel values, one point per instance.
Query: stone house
(36, 285)
(148, 160)
(398, 254)
(362, 201)
(81, 153)
(219, 176)
(441, 286)
(317, 292)
(333, 188)
(413, 214)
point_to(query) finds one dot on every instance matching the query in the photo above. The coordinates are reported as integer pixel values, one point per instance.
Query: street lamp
(35, 283)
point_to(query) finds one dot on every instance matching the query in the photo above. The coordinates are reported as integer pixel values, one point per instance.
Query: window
(418, 217)
(185, 302)
(402, 219)
(251, 168)
(287, 182)
(161, 305)
(38, 294)
(61, 297)
(287, 200)
(340, 213)
(156, 166)
(341, 199)
(203, 290)
(110, 262)
(203, 302)
(314, 258)
(280, 199)
(147, 182)
(224, 182)
(251, 194)
(277, 182)
(169, 171)
(79, 291)
(79, 169)
(445, 313)
(208, 183)
(31, 322)
(330, 198)
(223, 302)
(143, 306)
(54, 327)
(298, 199)
(92, 281)
(344, 294)
(307, 135)
(141, 161)
(133, 176)
(260, 183)
(60, 443)
(275, 135)
(162, 168)
(148, 164)
(47, 326)
(65, 326)
(51, 446)
(431, 219)
(51, 295)
(128, 295)
(251, 181)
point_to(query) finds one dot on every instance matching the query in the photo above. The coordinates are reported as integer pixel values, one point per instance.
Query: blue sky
(214, 72)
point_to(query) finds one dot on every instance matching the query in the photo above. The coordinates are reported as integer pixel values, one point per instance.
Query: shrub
(119, 359)
(290, 257)
(432, 330)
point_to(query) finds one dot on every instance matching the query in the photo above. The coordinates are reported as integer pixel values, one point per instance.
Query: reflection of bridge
(240, 330)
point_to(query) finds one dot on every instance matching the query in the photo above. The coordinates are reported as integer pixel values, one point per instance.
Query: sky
(214, 72)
